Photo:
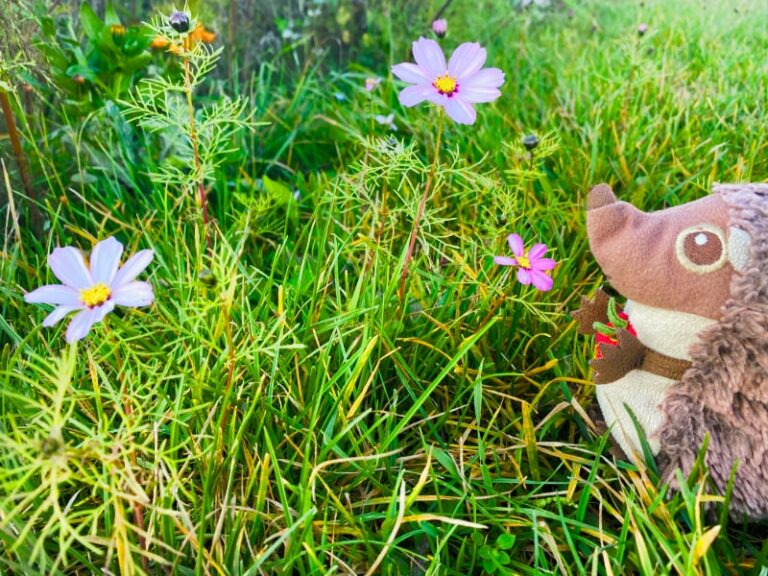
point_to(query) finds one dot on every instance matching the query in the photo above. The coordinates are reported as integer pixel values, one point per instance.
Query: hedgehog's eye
(701, 248)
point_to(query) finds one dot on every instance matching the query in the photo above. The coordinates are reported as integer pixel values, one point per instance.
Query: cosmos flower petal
(105, 259)
(515, 242)
(480, 95)
(540, 280)
(413, 95)
(58, 314)
(537, 251)
(483, 86)
(467, 59)
(487, 78)
(543, 264)
(523, 276)
(103, 310)
(429, 56)
(505, 261)
(81, 324)
(54, 294)
(69, 266)
(460, 110)
(410, 73)
(134, 266)
(133, 294)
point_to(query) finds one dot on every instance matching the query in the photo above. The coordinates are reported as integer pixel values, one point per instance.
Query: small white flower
(388, 120)
(93, 291)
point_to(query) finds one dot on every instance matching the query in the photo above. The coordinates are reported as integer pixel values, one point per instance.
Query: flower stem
(18, 151)
(442, 9)
(230, 366)
(138, 508)
(195, 150)
(528, 184)
(420, 212)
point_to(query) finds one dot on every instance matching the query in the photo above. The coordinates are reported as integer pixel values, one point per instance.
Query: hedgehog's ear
(739, 246)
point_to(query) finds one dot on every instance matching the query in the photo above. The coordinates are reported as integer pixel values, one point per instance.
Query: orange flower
(199, 34)
(159, 42)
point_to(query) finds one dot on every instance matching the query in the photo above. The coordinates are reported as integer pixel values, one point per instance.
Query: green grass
(291, 416)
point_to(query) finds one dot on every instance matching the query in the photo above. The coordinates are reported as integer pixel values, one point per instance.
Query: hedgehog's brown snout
(674, 259)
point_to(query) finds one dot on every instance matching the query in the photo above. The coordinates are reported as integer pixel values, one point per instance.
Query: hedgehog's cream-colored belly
(641, 392)
(666, 331)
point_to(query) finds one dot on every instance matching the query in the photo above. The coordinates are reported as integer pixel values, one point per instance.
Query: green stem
(193, 136)
(138, 508)
(420, 212)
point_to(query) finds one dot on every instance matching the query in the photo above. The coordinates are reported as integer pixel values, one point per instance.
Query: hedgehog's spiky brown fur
(725, 393)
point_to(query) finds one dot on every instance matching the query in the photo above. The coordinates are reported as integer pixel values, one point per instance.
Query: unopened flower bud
(530, 141)
(440, 27)
(179, 21)
(206, 277)
(118, 34)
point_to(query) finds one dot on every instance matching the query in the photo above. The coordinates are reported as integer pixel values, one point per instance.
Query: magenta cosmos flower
(455, 86)
(93, 290)
(531, 265)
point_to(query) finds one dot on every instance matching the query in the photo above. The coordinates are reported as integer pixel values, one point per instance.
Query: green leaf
(91, 23)
(277, 190)
(477, 397)
(506, 541)
(84, 71)
(137, 40)
(110, 16)
(283, 196)
(447, 462)
(137, 62)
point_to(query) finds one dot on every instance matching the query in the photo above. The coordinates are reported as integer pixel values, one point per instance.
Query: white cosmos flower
(93, 291)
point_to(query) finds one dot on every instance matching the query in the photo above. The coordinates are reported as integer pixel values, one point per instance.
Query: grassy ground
(278, 410)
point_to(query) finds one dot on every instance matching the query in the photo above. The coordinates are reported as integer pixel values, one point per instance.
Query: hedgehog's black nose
(601, 195)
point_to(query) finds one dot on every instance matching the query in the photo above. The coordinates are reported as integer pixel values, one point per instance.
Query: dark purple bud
(179, 21)
(530, 141)
(207, 277)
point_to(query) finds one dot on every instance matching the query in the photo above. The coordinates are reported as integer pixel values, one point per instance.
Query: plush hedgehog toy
(693, 359)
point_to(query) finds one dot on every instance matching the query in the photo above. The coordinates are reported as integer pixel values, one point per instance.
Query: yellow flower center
(96, 295)
(523, 261)
(445, 84)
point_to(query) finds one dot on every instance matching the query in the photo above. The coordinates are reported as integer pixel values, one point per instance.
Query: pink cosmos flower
(456, 86)
(531, 265)
(371, 83)
(94, 290)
